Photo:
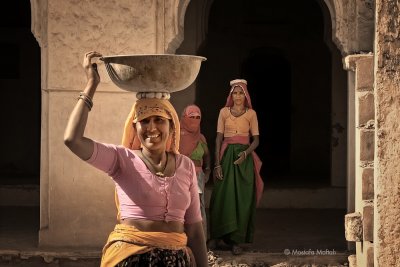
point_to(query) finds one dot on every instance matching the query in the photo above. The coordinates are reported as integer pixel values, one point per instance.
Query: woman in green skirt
(238, 185)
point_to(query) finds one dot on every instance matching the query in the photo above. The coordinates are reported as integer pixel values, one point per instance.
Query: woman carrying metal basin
(159, 215)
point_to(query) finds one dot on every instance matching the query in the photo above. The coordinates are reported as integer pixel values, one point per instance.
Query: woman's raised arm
(73, 135)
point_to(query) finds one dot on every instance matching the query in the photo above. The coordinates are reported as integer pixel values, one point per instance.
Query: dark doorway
(280, 48)
(268, 74)
(20, 101)
(20, 109)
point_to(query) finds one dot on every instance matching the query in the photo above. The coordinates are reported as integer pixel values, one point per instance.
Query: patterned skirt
(157, 257)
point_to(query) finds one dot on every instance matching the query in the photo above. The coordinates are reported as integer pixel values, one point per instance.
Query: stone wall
(387, 145)
(77, 201)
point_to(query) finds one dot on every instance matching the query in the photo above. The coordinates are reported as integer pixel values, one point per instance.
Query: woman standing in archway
(238, 185)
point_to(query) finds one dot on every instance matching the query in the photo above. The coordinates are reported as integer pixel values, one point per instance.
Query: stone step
(91, 258)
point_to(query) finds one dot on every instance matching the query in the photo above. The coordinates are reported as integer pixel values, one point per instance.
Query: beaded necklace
(158, 172)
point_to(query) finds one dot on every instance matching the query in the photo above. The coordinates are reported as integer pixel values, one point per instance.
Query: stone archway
(352, 24)
(194, 32)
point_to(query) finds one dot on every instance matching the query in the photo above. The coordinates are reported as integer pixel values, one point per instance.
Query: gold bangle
(216, 167)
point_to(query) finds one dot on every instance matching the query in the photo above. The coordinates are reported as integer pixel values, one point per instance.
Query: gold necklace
(158, 173)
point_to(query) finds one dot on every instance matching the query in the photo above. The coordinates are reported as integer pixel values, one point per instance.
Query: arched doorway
(246, 40)
(285, 52)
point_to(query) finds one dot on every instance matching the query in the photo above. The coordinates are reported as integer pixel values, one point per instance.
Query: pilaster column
(364, 139)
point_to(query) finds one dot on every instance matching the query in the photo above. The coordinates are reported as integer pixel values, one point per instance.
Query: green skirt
(233, 201)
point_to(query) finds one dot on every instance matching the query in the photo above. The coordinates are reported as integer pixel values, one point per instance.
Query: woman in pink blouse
(156, 187)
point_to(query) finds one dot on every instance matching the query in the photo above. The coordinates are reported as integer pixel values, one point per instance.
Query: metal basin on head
(153, 73)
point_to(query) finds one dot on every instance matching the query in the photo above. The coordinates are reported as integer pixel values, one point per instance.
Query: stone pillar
(350, 142)
(76, 200)
(362, 66)
(387, 143)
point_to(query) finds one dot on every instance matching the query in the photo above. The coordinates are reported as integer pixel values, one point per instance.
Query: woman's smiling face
(153, 132)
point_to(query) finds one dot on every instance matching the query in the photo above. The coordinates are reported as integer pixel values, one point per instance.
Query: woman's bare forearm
(254, 144)
(218, 143)
(74, 132)
(197, 243)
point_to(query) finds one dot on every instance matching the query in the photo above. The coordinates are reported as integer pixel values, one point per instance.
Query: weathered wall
(77, 201)
(352, 24)
(79, 210)
(387, 179)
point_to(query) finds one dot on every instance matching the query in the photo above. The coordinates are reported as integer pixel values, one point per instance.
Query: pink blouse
(142, 194)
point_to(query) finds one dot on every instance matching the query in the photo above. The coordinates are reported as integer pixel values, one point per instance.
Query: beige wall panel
(110, 27)
(81, 198)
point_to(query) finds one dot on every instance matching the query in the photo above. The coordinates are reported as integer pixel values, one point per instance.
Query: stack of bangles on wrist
(87, 99)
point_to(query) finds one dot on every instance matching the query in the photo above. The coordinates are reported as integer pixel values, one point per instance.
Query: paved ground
(294, 235)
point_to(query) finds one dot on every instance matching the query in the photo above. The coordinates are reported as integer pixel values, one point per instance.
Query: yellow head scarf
(144, 108)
